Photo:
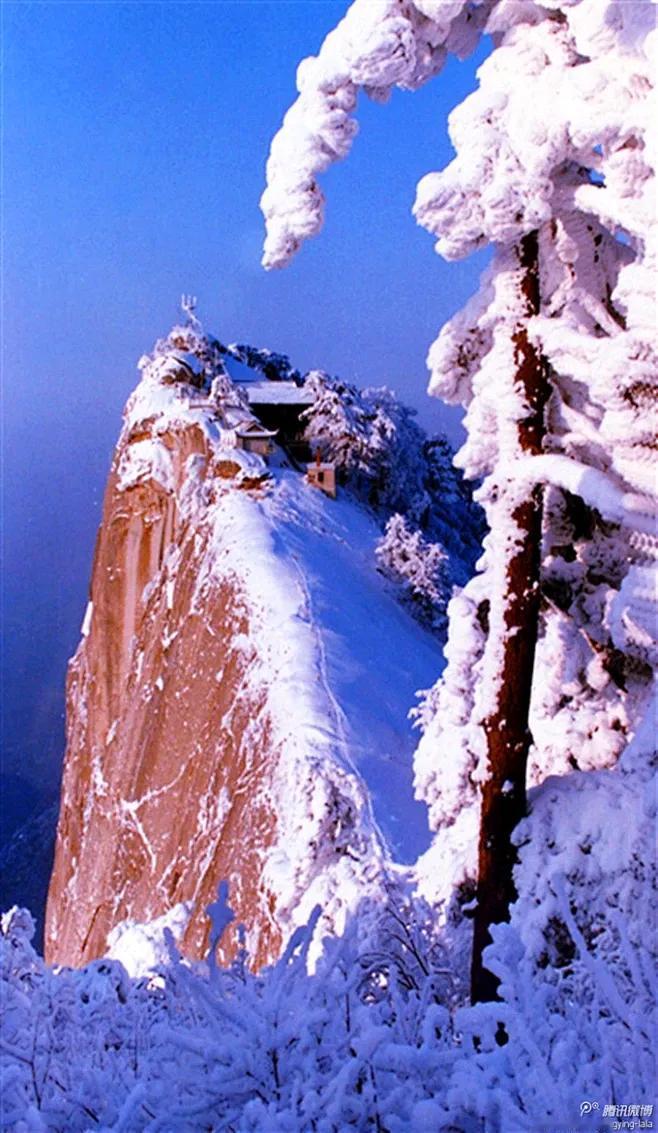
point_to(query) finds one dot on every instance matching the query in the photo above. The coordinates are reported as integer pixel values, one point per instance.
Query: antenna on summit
(188, 305)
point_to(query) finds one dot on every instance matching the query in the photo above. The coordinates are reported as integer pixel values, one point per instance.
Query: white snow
(85, 628)
(343, 661)
(278, 393)
(146, 460)
(141, 947)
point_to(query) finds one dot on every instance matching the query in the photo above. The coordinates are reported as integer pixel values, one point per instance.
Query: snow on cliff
(239, 703)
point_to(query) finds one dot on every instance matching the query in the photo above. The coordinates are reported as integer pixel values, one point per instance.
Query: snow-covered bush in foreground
(376, 1038)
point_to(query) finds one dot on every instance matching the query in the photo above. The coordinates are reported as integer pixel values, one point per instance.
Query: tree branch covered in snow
(380, 44)
(557, 140)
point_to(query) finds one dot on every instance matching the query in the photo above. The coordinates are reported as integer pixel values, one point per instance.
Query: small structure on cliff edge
(279, 405)
(252, 437)
(322, 475)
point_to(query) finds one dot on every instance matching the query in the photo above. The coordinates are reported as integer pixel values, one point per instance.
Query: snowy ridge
(287, 547)
(287, 550)
(241, 587)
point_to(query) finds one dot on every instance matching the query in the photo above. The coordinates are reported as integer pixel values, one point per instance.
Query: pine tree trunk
(507, 728)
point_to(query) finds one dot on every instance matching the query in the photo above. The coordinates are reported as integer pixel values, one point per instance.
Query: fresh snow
(372, 657)
(344, 662)
(141, 946)
(278, 393)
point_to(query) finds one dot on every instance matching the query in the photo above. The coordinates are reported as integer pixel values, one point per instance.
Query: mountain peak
(238, 705)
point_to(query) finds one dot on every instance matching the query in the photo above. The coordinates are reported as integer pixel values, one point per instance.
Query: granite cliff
(238, 704)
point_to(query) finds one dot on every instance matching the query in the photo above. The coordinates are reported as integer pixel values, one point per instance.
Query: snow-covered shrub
(352, 1046)
(417, 566)
(376, 1038)
(74, 1043)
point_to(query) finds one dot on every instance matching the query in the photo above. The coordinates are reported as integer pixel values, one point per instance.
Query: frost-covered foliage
(557, 144)
(577, 963)
(418, 567)
(384, 458)
(372, 439)
(376, 46)
(584, 187)
(377, 1038)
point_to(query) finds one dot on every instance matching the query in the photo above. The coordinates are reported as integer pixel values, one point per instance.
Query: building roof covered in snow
(278, 393)
(253, 428)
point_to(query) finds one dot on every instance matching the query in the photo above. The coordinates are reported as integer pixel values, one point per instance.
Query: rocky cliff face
(232, 693)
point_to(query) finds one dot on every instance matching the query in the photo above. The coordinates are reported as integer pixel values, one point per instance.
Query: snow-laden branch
(511, 148)
(379, 45)
(595, 487)
(540, 119)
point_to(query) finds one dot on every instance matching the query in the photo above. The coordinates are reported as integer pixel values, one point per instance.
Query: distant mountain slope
(26, 861)
(238, 706)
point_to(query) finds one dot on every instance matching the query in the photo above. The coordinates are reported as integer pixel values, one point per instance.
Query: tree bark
(507, 728)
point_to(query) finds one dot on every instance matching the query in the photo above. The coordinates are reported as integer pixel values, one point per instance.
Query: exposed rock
(215, 724)
(158, 763)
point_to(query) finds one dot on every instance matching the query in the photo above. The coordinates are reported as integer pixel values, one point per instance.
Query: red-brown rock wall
(169, 755)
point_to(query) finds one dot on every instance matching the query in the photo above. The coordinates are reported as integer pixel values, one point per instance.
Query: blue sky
(134, 143)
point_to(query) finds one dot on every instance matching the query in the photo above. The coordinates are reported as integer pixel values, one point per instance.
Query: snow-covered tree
(417, 566)
(384, 457)
(372, 439)
(551, 645)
